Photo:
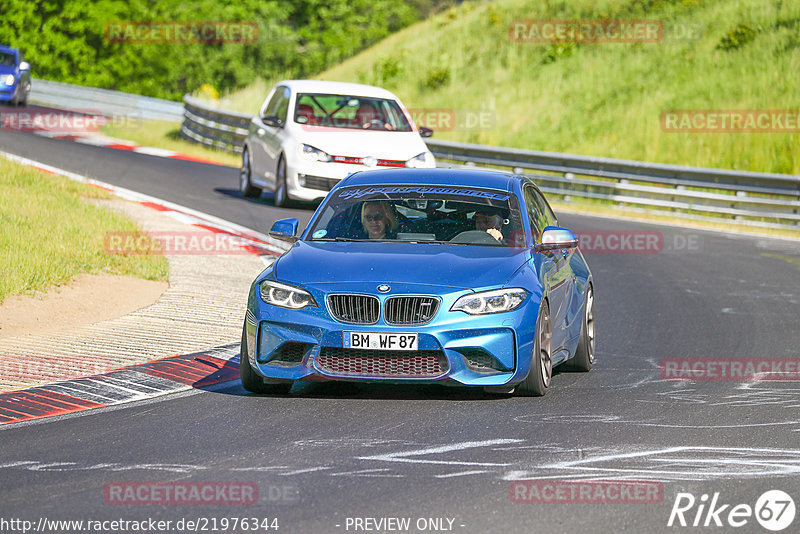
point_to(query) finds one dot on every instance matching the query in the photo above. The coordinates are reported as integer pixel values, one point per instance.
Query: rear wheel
(584, 354)
(538, 379)
(252, 381)
(245, 186)
(281, 190)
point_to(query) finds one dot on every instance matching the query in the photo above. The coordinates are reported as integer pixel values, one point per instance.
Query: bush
(737, 37)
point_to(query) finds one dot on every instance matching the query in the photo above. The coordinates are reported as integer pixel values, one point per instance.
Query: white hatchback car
(311, 134)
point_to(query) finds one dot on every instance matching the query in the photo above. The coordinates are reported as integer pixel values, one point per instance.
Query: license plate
(379, 341)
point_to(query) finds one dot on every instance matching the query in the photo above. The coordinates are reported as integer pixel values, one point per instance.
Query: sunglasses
(376, 217)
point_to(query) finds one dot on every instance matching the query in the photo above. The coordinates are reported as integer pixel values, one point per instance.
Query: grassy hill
(602, 99)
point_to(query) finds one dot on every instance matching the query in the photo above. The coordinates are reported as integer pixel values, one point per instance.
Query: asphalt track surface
(330, 451)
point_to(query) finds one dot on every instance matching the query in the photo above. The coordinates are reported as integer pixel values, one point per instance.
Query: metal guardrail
(750, 198)
(214, 127)
(113, 103)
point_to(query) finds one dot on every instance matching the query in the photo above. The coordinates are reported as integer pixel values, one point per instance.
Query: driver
(489, 220)
(367, 117)
(379, 220)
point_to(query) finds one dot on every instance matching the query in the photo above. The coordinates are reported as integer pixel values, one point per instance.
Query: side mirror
(425, 132)
(24, 66)
(285, 230)
(272, 120)
(555, 237)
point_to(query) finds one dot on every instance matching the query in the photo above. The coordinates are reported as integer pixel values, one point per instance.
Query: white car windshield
(420, 214)
(353, 112)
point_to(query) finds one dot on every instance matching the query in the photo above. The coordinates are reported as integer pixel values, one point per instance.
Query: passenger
(379, 220)
(489, 220)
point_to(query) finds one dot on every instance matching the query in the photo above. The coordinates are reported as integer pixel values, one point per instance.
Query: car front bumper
(312, 180)
(8, 93)
(454, 348)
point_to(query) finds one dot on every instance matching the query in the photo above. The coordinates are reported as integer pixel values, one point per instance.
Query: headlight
(423, 160)
(8, 79)
(496, 301)
(285, 296)
(311, 153)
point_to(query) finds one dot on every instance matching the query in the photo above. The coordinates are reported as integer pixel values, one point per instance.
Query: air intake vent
(289, 354)
(481, 361)
(354, 309)
(334, 361)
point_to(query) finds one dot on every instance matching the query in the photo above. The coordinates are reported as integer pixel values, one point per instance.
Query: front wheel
(252, 381)
(24, 101)
(538, 379)
(281, 189)
(245, 185)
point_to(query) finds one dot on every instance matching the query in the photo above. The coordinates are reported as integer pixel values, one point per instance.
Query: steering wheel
(372, 122)
(477, 237)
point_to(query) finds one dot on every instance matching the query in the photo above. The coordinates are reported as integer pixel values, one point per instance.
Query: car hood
(400, 146)
(336, 264)
(5, 69)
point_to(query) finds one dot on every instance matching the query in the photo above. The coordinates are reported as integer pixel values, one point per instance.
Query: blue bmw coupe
(458, 277)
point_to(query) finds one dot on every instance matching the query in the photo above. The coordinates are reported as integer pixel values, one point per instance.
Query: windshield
(420, 214)
(354, 112)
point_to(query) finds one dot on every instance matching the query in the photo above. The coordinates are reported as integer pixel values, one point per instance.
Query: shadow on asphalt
(267, 198)
(352, 390)
(359, 390)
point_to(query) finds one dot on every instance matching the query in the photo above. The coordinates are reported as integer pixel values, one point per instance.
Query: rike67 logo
(774, 510)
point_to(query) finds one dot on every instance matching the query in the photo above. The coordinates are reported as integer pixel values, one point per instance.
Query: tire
(538, 380)
(252, 381)
(246, 187)
(584, 354)
(24, 103)
(281, 189)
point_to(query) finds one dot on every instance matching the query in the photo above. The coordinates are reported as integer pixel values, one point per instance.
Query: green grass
(596, 99)
(51, 233)
(166, 135)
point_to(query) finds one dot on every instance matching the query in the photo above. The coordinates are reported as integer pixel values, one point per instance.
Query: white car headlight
(424, 160)
(496, 301)
(285, 296)
(8, 79)
(312, 153)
